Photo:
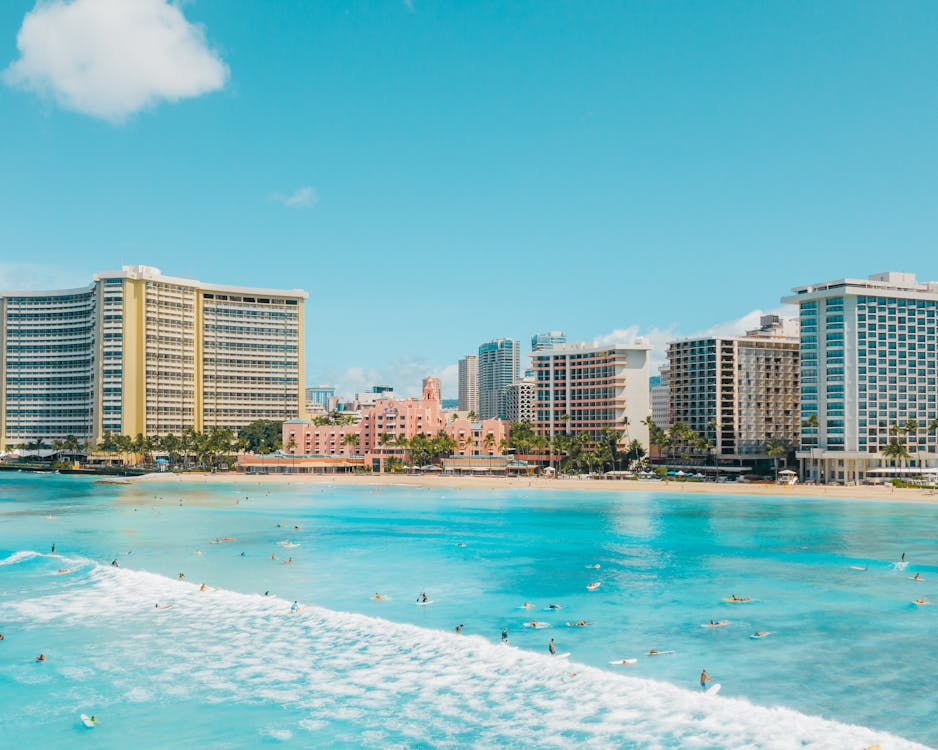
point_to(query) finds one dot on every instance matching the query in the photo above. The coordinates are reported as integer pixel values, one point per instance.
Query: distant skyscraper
(320, 394)
(661, 398)
(469, 383)
(498, 369)
(546, 341)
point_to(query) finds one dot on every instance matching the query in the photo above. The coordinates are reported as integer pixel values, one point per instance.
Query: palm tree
(775, 449)
(911, 428)
(489, 442)
(351, 439)
(895, 450)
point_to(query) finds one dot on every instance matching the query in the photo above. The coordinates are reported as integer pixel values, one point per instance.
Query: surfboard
(730, 600)
(757, 637)
(659, 653)
(714, 688)
(624, 661)
(564, 655)
(911, 578)
(426, 603)
(593, 586)
(86, 720)
(720, 624)
(538, 625)
(857, 567)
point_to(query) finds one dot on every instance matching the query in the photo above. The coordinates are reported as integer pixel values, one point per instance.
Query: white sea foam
(18, 557)
(354, 679)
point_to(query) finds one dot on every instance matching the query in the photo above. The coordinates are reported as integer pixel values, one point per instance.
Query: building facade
(585, 388)
(738, 392)
(469, 383)
(384, 423)
(139, 352)
(660, 394)
(519, 402)
(868, 370)
(498, 369)
(541, 342)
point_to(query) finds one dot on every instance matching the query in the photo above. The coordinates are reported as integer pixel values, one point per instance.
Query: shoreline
(859, 492)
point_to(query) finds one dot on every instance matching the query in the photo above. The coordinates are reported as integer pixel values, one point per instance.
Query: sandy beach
(862, 492)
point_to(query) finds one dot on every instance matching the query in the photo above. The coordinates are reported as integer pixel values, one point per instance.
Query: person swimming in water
(704, 679)
(553, 606)
(917, 577)
(551, 648)
(760, 633)
(41, 657)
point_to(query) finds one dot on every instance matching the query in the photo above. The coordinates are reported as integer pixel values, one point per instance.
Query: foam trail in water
(354, 679)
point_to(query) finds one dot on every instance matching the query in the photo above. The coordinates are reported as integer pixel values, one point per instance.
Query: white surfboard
(538, 625)
(564, 655)
(721, 624)
(426, 603)
(757, 637)
(621, 662)
(659, 653)
(911, 578)
(714, 688)
(857, 567)
(88, 721)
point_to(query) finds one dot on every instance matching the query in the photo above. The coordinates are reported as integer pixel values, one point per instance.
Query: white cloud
(18, 277)
(405, 374)
(302, 197)
(660, 337)
(111, 58)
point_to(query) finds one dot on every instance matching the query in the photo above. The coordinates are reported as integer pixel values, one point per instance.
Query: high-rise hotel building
(581, 387)
(868, 364)
(139, 352)
(738, 391)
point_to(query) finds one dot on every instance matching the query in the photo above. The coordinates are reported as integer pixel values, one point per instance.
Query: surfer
(459, 628)
(902, 559)
(704, 679)
(527, 605)
(578, 624)
(553, 606)
(294, 607)
(378, 596)
(181, 575)
(1, 636)
(203, 587)
(114, 563)
(53, 548)
(550, 647)
(917, 577)
(423, 598)
(41, 657)
(760, 633)
(505, 636)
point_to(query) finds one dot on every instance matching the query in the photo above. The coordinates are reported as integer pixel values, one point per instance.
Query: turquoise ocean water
(849, 661)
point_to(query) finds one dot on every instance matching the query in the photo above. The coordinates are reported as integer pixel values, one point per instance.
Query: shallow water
(233, 668)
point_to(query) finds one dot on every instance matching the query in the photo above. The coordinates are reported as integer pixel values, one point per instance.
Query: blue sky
(437, 174)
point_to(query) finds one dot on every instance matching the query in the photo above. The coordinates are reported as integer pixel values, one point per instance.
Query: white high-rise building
(469, 383)
(868, 370)
(519, 402)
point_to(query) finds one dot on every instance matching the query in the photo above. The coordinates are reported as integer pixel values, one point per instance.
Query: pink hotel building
(394, 418)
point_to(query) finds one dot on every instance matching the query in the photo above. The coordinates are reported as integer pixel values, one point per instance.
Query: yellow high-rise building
(139, 352)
